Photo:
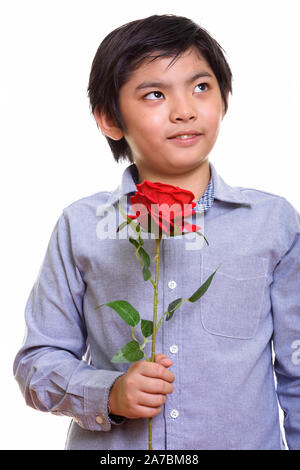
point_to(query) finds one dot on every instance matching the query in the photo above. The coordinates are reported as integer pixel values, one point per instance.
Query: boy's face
(181, 103)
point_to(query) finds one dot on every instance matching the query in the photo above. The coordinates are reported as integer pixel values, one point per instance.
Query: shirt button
(99, 419)
(174, 413)
(172, 284)
(174, 349)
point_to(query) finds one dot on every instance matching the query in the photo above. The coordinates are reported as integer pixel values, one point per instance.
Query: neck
(195, 180)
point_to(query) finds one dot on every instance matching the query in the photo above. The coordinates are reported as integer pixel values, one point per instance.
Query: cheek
(145, 134)
(150, 128)
(144, 123)
(212, 117)
(153, 121)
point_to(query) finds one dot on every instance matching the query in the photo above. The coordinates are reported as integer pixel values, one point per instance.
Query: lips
(189, 133)
(185, 136)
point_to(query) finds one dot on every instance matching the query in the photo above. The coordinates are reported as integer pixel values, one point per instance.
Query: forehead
(157, 67)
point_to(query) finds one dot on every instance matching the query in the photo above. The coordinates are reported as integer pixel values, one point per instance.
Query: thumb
(163, 360)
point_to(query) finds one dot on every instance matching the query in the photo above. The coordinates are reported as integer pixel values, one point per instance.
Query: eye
(202, 85)
(153, 93)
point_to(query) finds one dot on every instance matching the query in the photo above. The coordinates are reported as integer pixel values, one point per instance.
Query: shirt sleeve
(49, 367)
(285, 297)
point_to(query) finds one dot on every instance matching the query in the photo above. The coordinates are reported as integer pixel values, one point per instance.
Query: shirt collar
(207, 199)
(226, 193)
(222, 191)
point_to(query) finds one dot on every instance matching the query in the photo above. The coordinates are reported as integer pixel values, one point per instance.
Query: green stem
(157, 241)
(155, 285)
(132, 334)
(141, 346)
(146, 357)
(159, 323)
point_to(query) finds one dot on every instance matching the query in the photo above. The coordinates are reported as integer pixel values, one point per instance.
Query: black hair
(122, 51)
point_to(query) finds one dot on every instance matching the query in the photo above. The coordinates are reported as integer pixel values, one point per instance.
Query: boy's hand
(143, 389)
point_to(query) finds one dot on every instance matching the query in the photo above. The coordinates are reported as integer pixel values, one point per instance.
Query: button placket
(172, 335)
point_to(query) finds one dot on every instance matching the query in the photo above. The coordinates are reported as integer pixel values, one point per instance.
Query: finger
(159, 356)
(156, 386)
(163, 359)
(146, 412)
(153, 400)
(152, 369)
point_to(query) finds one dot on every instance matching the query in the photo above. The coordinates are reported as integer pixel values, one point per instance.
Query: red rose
(163, 207)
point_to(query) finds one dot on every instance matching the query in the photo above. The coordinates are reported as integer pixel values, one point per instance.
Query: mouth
(185, 134)
(184, 139)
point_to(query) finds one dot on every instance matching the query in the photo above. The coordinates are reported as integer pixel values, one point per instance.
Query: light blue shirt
(225, 396)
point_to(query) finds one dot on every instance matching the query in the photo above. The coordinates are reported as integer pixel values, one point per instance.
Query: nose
(182, 110)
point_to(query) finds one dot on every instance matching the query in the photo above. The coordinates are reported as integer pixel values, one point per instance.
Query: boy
(159, 90)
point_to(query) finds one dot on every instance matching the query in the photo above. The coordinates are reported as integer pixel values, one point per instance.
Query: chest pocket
(232, 305)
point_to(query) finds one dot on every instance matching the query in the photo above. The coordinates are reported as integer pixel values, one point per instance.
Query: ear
(108, 126)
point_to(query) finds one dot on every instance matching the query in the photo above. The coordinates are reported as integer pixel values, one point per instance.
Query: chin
(187, 165)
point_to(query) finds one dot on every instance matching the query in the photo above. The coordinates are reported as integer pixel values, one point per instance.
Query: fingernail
(165, 361)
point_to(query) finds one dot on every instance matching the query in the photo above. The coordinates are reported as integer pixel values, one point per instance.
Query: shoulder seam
(278, 196)
(87, 197)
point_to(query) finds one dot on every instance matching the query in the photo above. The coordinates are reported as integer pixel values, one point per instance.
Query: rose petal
(191, 227)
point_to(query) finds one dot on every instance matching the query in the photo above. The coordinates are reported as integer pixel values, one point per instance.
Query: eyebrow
(166, 85)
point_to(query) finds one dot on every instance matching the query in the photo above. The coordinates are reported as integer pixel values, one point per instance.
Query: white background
(52, 153)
